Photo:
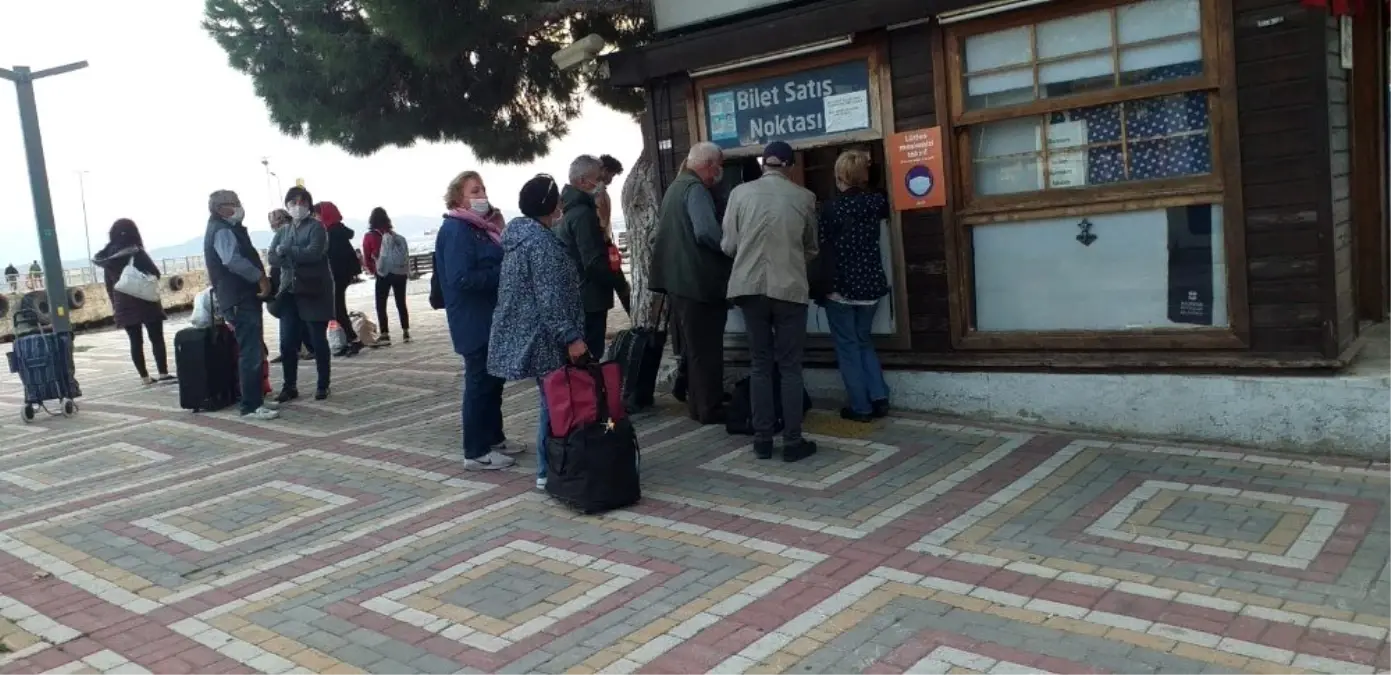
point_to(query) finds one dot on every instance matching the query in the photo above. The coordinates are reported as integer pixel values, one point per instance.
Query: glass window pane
(1163, 268)
(1006, 156)
(1162, 61)
(1074, 76)
(1156, 19)
(1168, 137)
(989, 51)
(1074, 35)
(1001, 88)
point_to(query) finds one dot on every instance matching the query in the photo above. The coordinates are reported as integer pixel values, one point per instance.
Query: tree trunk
(640, 218)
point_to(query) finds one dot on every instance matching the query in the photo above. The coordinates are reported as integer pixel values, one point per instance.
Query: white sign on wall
(670, 14)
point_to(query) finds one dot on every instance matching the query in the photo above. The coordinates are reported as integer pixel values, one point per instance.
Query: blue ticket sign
(807, 104)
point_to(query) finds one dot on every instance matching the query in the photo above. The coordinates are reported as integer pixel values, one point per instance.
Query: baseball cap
(778, 153)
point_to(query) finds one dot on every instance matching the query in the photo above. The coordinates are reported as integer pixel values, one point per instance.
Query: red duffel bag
(572, 399)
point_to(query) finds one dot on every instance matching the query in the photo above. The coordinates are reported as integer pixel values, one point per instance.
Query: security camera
(578, 52)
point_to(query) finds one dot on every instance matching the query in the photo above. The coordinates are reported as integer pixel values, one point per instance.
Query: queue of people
(524, 297)
(758, 257)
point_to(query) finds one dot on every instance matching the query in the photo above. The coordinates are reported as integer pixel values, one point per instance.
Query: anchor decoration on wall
(1086, 237)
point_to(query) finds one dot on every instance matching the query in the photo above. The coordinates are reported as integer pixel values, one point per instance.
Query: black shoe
(321, 394)
(354, 348)
(384, 337)
(798, 451)
(763, 449)
(405, 336)
(341, 352)
(848, 414)
(287, 395)
(879, 408)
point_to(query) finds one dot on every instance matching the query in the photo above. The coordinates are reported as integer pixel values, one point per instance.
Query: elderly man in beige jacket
(770, 231)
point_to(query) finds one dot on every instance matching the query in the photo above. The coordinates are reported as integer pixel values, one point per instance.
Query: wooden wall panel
(1342, 308)
(1281, 80)
(924, 244)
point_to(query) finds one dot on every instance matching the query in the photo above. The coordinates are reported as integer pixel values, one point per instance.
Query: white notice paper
(846, 112)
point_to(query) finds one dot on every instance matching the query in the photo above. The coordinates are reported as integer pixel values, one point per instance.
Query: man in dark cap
(770, 231)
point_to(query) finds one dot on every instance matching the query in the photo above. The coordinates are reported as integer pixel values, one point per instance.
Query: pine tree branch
(551, 11)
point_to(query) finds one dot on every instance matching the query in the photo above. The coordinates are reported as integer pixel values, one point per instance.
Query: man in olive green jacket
(688, 266)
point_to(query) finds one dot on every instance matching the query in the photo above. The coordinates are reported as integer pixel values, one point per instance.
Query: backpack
(394, 255)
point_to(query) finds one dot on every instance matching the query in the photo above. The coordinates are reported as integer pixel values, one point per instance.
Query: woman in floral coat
(539, 321)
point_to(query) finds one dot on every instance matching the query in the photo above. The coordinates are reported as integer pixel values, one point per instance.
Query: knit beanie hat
(539, 196)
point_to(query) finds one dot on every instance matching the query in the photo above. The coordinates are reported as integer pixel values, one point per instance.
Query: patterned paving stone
(346, 537)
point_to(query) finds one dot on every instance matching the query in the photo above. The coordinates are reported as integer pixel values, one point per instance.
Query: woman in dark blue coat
(468, 258)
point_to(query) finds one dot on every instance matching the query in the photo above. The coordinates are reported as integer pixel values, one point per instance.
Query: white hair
(584, 167)
(704, 153)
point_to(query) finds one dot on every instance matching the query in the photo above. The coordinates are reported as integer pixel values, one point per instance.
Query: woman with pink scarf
(468, 260)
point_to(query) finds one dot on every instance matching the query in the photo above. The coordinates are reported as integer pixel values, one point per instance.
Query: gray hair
(222, 198)
(704, 153)
(583, 167)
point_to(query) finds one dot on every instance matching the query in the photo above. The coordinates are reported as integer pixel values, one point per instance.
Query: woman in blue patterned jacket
(539, 321)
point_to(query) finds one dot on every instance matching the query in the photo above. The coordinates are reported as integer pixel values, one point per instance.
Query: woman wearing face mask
(300, 248)
(468, 257)
(539, 322)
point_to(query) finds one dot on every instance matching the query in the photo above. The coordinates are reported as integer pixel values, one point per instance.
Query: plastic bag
(337, 339)
(203, 313)
(363, 326)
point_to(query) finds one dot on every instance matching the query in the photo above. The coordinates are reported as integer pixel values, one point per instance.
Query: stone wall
(96, 307)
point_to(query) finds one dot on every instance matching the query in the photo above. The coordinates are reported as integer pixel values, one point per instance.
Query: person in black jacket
(132, 313)
(345, 265)
(582, 232)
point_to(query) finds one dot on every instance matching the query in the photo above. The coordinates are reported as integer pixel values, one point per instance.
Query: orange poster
(915, 169)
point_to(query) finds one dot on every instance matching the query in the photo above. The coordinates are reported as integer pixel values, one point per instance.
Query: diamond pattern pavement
(346, 537)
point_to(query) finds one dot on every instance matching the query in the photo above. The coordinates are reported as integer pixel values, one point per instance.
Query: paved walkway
(345, 538)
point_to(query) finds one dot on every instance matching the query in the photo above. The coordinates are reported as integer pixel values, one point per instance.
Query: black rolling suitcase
(206, 359)
(638, 353)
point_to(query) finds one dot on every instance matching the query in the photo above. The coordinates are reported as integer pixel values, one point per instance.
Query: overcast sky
(159, 120)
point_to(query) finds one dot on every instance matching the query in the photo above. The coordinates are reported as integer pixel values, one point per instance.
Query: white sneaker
(489, 462)
(540, 483)
(262, 413)
(502, 448)
(270, 405)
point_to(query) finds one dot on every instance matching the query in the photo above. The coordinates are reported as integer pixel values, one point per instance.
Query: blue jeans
(543, 431)
(246, 325)
(482, 412)
(859, 365)
(292, 336)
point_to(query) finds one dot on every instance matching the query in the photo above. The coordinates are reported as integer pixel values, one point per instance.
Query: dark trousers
(247, 326)
(701, 326)
(395, 284)
(291, 337)
(137, 347)
(482, 411)
(596, 325)
(340, 311)
(777, 337)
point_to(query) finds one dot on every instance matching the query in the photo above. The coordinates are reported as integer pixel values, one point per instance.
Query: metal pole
(23, 79)
(86, 229)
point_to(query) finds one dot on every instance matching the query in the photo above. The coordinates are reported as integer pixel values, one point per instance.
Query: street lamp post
(23, 79)
(270, 196)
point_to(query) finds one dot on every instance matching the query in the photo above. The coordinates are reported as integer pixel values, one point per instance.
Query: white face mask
(480, 206)
(297, 211)
(237, 214)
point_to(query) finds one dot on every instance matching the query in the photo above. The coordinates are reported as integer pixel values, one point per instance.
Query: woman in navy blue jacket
(468, 258)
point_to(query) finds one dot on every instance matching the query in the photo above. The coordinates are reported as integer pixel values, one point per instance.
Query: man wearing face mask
(688, 266)
(239, 285)
(582, 232)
